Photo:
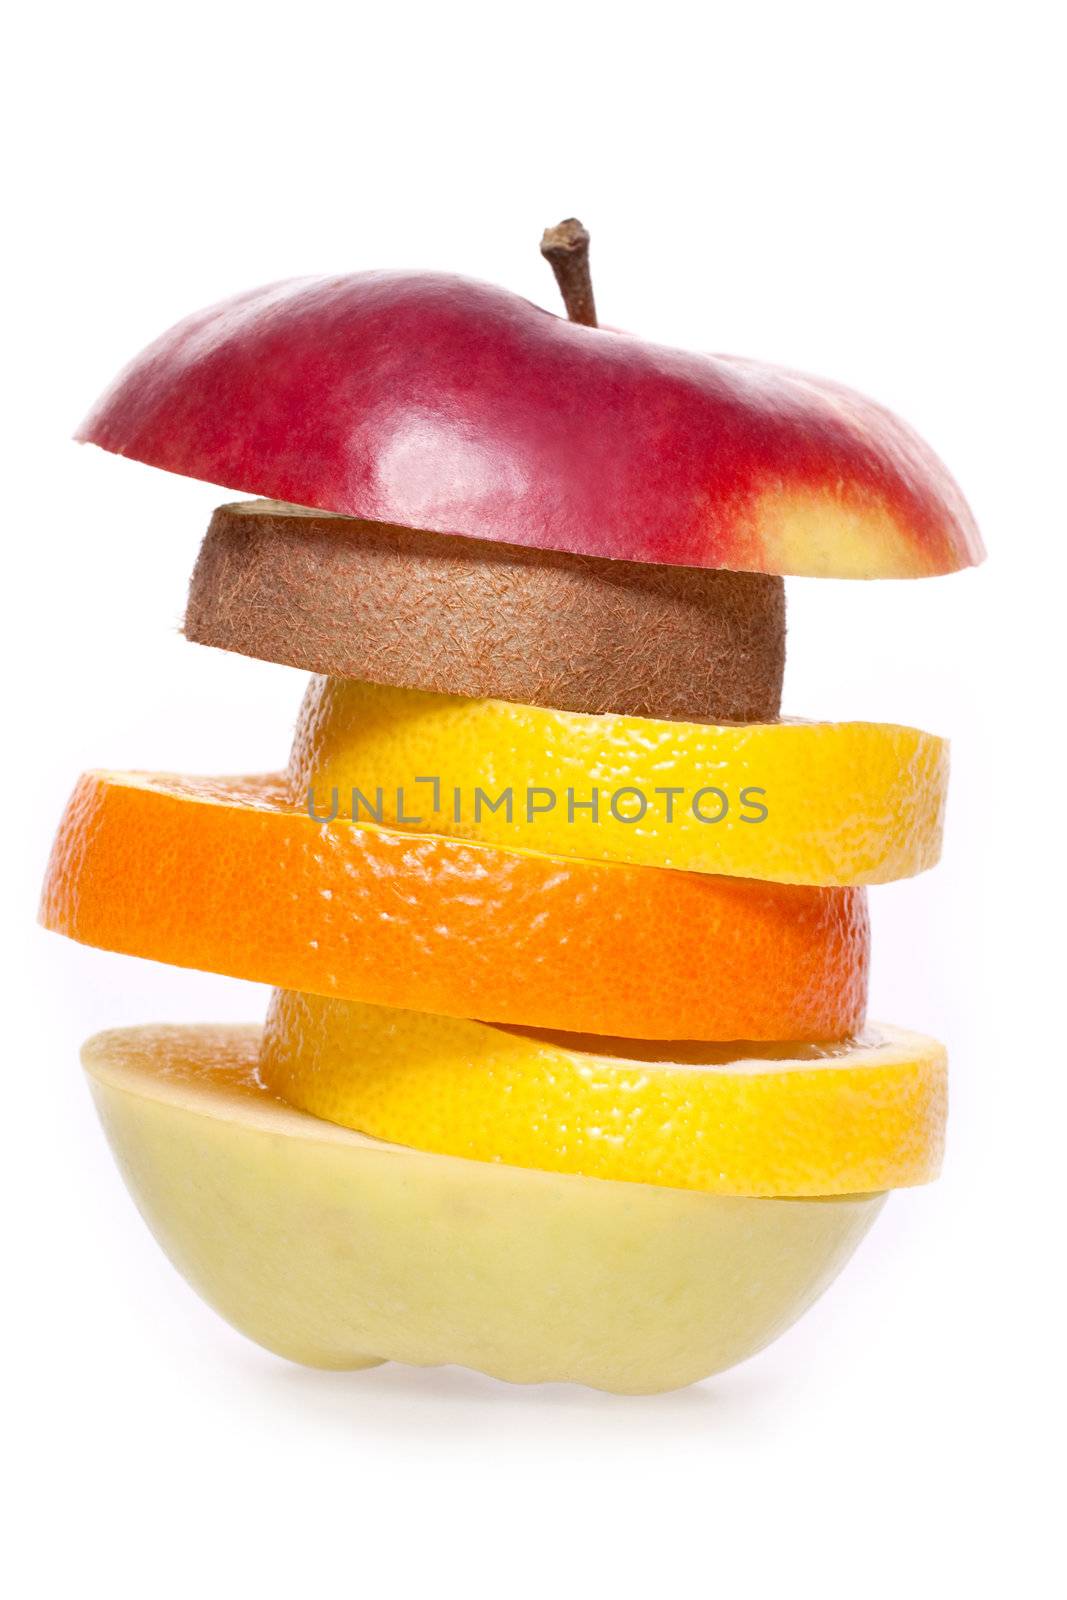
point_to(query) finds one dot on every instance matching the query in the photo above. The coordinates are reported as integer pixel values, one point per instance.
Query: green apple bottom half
(580, 1089)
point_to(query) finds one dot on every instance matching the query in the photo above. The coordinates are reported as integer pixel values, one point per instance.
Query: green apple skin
(337, 1251)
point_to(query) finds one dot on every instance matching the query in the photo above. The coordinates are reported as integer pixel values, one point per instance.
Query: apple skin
(440, 403)
(339, 1251)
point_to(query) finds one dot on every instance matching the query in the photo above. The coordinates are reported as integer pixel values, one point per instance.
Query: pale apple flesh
(337, 1251)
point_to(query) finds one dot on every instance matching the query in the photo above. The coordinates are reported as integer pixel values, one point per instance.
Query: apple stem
(566, 249)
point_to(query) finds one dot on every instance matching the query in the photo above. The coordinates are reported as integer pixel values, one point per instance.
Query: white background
(870, 191)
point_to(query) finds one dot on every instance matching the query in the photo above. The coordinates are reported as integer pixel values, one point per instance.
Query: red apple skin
(440, 403)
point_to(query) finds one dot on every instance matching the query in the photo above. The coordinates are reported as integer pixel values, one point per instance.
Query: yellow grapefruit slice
(794, 802)
(788, 1119)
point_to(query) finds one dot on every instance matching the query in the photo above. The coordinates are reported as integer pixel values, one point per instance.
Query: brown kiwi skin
(419, 610)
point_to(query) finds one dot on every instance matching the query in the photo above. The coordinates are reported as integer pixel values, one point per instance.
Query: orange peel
(228, 875)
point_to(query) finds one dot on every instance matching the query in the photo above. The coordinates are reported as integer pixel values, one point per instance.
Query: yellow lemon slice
(726, 1119)
(794, 802)
(337, 1251)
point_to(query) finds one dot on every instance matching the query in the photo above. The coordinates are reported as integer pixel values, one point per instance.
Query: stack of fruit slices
(567, 1074)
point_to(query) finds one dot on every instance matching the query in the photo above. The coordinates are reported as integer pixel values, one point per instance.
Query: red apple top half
(439, 403)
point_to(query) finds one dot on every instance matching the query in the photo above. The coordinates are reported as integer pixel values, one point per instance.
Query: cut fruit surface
(335, 1250)
(469, 616)
(434, 402)
(229, 876)
(727, 1119)
(792, 802)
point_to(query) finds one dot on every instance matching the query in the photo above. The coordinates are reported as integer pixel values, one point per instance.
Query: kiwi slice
(399, 606)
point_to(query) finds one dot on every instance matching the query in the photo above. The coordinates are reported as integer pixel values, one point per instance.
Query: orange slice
(777, 1120)
(229, 876)
(792, 802)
